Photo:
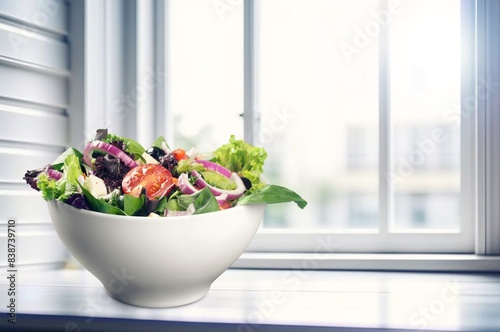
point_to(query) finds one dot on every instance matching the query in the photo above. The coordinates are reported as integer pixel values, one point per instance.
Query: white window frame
(488, 127)
(118, 69)
(327, 249)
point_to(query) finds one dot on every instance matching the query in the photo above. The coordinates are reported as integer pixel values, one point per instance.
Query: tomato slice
(155, 178)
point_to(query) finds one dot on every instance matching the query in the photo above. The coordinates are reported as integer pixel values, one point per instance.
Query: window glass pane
(425, 94)
(317, 95)
(205, 55)
(418, 210)
(317, 101)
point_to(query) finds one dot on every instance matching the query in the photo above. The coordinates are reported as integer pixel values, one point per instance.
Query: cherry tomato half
(155, 178)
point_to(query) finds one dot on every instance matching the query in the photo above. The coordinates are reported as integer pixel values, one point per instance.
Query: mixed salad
(117, 175)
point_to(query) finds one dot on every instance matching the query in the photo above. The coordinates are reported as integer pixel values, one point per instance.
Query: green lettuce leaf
(71, 172)
(272, 194)
(59, 162)
(242, 158)
(188, 165)
(66, 185)
(49, 188)
(218, 180)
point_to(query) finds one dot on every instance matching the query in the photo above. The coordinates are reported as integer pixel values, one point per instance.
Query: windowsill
(270, 300)
(372, 262)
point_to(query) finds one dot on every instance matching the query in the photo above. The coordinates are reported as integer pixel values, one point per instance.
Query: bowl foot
(160, 300)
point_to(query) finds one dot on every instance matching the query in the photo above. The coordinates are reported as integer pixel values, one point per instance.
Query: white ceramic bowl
(156, 262)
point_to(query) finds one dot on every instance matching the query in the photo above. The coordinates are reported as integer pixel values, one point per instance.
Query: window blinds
(34, 74)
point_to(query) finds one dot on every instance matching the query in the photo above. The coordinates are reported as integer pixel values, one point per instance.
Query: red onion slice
(55, 174)
(231, 194)
(211, 166)
(107, 148)
(184, 185)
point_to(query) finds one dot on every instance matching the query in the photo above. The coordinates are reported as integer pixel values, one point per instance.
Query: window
(356, 103)
(371, 117)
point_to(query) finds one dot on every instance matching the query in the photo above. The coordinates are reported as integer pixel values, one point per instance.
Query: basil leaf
(185, 200)
(160, 206)
(272, 194)
(160, 143)
(173, 205)
(205, 202)
(132, 205)
(100, 205)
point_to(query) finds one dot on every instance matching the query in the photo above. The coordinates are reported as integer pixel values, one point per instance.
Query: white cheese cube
(96, 186)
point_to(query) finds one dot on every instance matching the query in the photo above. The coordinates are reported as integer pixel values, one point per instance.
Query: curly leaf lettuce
(63, 188)
(49, 188)
(244, 159)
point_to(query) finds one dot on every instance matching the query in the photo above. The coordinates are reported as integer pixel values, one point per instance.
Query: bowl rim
(142, 219)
